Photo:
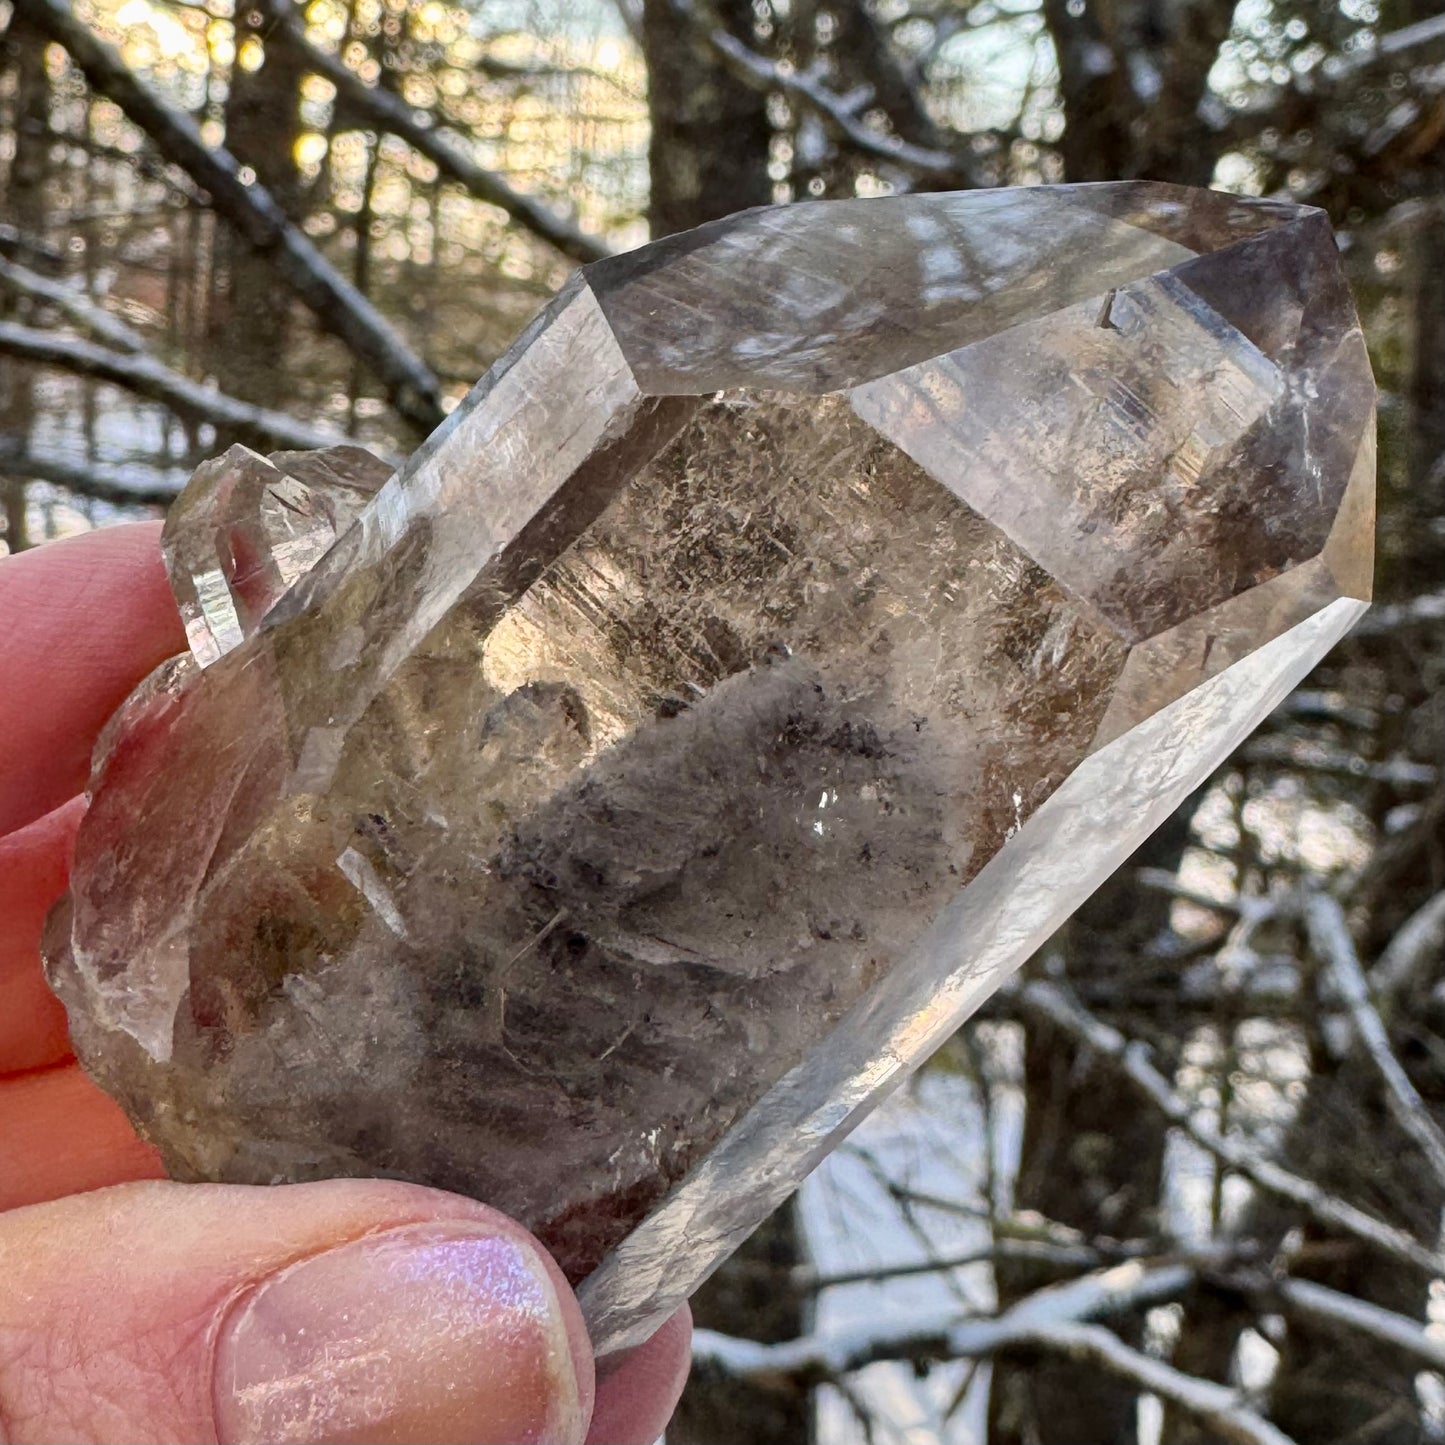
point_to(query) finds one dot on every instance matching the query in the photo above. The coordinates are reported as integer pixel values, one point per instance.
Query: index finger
(81, 622)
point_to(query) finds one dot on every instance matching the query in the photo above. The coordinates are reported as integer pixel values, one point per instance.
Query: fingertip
(84, 620)
(443, 1332)
(60, 1135)
(357, 1310)
(636, 1397)
(34, 863)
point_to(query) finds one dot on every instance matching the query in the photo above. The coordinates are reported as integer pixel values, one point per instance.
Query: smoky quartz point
(785, 635)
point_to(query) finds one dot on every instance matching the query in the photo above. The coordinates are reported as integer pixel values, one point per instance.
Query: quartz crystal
(247, 527)
(784, 637)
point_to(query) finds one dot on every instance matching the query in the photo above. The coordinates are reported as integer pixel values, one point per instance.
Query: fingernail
(428, 1333)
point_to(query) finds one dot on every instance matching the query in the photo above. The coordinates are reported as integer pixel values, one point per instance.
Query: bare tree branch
(1305, 755)
(1419, 611)
(15, 244)
(1120, 1289)
(1311, 702)
(864, 43)
(1396, 852)
(1051, 1319)
(421, 132)
(838, 116)
(1396, 43)
(1054, 1004)
(809, 1280)
(1026, 1225)
(1330, 937)
(1355, 161)
(1215, 1405)
(144, 375)
(410, 384)
(1160, 880)
(1417, 943)
(121, 486)
(1329, 1306)
(77, 306)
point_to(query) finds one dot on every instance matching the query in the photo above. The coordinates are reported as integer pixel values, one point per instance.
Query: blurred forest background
(1183, 1183)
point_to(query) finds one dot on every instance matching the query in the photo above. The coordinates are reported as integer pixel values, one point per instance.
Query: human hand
(354, 1310)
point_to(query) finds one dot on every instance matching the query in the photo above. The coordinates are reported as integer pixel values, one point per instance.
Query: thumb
(354, 1310)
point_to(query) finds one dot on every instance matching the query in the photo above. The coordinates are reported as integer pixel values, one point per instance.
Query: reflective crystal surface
(801, 619)
(247, 526)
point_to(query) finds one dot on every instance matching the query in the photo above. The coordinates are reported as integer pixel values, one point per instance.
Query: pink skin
(145, 1310)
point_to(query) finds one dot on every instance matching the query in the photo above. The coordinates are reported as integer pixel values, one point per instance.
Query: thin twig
(1059, 1008)
(809, 1280)
(866, 46)
(901, 1196)
(1160, 880)
(1026, 1225)
(1330, 937)
(14, 243)
(147, 377)
(75, 304)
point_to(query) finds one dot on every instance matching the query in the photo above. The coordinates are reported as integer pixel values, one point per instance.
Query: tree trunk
(1427, 388)
(750, 1295)
(262, 124)
(1098, 102)
(708, 155)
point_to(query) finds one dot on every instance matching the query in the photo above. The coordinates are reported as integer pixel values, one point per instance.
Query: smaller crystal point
(246, 527)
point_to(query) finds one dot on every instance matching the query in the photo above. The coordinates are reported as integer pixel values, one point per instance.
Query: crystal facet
(246, 528)
(796, 624)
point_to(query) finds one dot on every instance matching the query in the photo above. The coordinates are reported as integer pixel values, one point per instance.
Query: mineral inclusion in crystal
(783, 637)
